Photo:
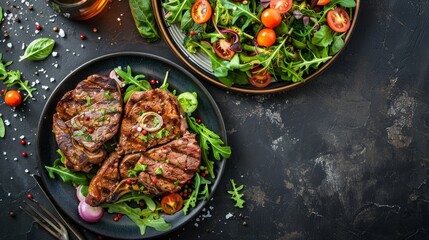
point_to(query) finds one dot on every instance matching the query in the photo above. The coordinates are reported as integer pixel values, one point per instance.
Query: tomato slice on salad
(323, 2)
(338, 20)
(283, 6)
(201, 11)
(260, 78)
(171, 203)
(221, 48)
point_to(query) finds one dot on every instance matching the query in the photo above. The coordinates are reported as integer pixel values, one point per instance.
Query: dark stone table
(342, 157)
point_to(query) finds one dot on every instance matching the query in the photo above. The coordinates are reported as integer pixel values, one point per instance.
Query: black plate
(154, 67)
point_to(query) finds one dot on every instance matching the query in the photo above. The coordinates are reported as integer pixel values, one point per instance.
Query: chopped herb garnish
(2, 128)
(88, 101)
(158, 171)
(103, 112)
(137, 169)
(107, 95)
(143, 138)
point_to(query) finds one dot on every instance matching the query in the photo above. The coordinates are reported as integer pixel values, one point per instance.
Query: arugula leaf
(137, 197)
(175, 9)
(12, 78)
(144, 19)
(64, 173)
(196, 194)
(141, 217)
(241, 11)
(137, 83)
(209, 140)
(235, 195)
(2, 128)
(38, 49)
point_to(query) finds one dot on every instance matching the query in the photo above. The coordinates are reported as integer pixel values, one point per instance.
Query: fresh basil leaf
(144, 19)
(348, 3)
(2, 128)
(337, 45)
(187, 21)
(38, 49)
(1, 15)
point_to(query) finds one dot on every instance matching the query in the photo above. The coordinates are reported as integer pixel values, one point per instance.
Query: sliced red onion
(89, 213)
(151, 128)
(236, 45)
(297, 14)
(114, 76)
(79, 194)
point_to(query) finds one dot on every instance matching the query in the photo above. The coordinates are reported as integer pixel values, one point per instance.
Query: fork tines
(57, 230)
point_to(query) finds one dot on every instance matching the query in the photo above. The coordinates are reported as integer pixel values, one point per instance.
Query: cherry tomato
(271, 18)
(338, 20)
(260, 78)
(266, 37)
(221, 48)
(201, 11)
(323, 2)
(13, 98)
(171, 203)
(283, 6)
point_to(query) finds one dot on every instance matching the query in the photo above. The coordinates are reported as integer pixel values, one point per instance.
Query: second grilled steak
(132, 138)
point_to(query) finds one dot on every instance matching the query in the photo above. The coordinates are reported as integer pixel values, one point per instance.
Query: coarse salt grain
(15, 159)
(228, 216)
(54, 54)
(21, 137)
(9, 45)
(45, 87)
(52, 79)
(61, 33)
(26, 171)
(6, 122)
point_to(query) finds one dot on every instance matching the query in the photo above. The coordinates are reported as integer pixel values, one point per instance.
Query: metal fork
(57, 230)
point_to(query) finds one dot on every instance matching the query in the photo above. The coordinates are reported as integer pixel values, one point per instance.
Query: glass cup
(78, 9)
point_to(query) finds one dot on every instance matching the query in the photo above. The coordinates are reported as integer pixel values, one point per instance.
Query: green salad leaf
(235, 195)
(64, 173)
(143, 218)
(1, 15)
(137, 82)
(2, 128)
(38, 49)
(144, 19)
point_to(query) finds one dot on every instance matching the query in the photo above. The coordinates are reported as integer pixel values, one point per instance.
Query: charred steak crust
(86, 118)
(172, 165)
(161, 102)
(105, 181)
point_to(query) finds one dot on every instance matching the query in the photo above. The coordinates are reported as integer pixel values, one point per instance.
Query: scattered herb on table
(13, 77)
(2, 128)
(144, 19)
(235, 195)
(38, 49)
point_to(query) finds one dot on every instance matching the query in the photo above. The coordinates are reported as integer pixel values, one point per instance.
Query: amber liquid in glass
(78, 9)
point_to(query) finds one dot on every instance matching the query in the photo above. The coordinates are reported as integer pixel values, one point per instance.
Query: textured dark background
(343, 157)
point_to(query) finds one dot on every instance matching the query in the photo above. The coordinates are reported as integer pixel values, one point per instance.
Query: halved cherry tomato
(323, 2)
(221, 48)
(201, 11)
(171, 203)
(283, 6)
(338, 20)
(260, 78)
(266, 37)
(271, 18)
(13, 98)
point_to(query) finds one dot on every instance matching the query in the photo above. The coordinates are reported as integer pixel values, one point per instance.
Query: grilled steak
(172, 165)
(77, 157)
(87, 117)
(158, 171)
(105, 181)
(161, 102)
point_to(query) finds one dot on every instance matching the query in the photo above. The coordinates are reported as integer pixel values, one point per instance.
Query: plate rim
(157, 5)
(221, 124)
